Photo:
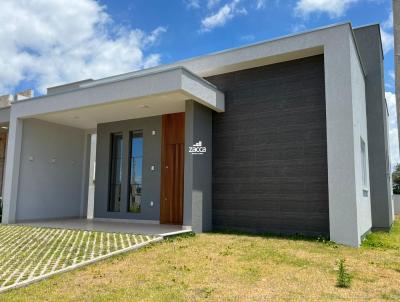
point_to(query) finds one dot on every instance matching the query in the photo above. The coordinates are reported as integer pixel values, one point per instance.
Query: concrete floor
(110, 226)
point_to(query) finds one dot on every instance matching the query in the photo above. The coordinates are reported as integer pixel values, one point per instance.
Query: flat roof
(144, 95)
(252, 55)
(188, 61)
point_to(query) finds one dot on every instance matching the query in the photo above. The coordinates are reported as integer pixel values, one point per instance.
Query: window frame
(364, 165)
(112, 164)
(132, 159)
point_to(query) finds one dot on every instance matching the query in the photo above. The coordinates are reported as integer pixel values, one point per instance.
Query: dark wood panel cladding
(172, 168)
(270, 150)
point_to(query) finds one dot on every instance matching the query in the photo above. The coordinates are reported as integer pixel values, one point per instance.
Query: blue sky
(184, 37)
(70, 40)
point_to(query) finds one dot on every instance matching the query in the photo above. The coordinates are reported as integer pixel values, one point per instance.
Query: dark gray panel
(269, 150)
(151, 157)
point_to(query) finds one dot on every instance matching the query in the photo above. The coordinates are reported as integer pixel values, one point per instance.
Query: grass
(232, 267)
(28, 253)
(384, 240)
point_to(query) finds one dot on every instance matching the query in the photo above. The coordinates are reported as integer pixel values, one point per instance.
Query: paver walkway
(29, 254)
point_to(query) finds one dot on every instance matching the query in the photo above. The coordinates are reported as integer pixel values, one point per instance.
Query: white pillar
(342, 141)
(12, 170)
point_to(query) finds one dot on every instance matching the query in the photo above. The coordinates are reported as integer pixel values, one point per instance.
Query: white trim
(186, 227)
(175, 233)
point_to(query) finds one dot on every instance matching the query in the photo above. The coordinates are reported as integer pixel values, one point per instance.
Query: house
(283, 136)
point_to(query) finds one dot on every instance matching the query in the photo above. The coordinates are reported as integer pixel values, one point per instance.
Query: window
(117, 147)
(135, 172)
(364, 164)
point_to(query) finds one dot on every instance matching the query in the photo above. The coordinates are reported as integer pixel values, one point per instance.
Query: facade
(286, 136)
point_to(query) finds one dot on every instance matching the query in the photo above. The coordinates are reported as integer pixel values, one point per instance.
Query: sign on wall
(197, 148)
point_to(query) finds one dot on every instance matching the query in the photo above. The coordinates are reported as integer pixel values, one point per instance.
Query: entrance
(172, 168)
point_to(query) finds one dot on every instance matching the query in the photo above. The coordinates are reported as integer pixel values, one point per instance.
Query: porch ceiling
(89, 117)
(136, 97)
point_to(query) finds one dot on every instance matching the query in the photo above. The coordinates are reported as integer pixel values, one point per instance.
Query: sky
(45, 43)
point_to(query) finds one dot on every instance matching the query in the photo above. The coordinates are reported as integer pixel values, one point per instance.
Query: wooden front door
(172, 163)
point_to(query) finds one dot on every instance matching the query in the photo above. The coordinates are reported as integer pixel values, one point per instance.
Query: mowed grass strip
(28, 253)
(232, 267)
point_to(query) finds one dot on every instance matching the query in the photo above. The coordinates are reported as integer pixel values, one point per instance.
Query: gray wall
(370, 49)
(5, 115)
(270, 150)
(50, 179)
(151, 179)
(396, 204)
(359, 118)
(198, 168)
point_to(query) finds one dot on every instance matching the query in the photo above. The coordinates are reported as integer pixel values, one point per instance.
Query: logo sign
(197, 148)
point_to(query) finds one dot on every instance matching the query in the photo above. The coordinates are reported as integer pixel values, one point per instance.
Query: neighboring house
(284, 136)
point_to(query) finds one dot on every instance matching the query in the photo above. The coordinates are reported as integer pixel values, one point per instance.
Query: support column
(85, 173)
(11, 174)
(198, 168)
(349, 210)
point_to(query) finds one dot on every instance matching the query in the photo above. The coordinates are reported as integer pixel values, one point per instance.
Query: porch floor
(109, 226)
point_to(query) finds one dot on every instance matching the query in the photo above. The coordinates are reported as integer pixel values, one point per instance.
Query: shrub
(396, 179)
(396, 189)
(343, 277)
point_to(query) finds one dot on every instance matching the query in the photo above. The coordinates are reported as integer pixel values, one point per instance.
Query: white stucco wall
(50, 178)
(360, 131)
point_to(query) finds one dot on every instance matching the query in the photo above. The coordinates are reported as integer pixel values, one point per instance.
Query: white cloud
(387, 34)
(391, 74)
(260, 4)
(334, 8)
(387, 41)
(192, 3)
(53, 42)
(212, 3)
(388, 23)
(298, 28)
(392, 128)
(219, 18)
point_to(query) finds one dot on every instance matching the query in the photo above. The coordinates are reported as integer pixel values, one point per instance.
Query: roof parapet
(7, 99)
(23, 95)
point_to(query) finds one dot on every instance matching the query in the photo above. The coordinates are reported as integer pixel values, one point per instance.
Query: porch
(143, 172)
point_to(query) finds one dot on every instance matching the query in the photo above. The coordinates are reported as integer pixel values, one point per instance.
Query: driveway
(29, 254)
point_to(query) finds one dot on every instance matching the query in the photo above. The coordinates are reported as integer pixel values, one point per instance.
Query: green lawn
(232, 267)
